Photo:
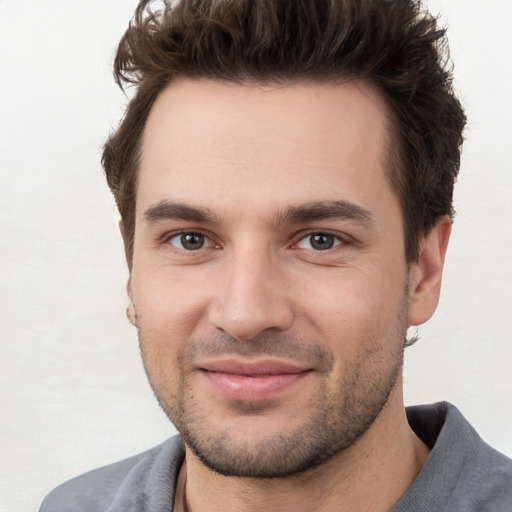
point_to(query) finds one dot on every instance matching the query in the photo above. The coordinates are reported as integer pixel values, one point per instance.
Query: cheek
(362, 322)
(169, 308)
(351, 299)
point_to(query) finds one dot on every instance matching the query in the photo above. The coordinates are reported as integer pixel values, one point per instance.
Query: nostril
(252, 321)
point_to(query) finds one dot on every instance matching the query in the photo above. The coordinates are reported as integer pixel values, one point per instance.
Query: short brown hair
(393, 44)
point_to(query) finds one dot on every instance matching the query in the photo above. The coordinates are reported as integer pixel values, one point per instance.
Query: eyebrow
(294, 214)
(169, 210)
(322, 210)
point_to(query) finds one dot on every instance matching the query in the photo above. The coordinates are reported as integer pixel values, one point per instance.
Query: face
(269, 281)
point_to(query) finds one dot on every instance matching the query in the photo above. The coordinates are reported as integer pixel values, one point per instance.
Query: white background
(73, 394)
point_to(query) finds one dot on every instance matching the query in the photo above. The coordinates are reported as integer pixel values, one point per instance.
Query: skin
(248, 157)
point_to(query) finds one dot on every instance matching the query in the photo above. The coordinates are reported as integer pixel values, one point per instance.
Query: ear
(130, 309)
(121, 228)
(426, 273)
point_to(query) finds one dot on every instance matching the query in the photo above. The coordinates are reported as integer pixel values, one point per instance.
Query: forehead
(235, 145)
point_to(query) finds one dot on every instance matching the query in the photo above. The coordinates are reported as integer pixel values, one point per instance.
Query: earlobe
(426, 273)
(130, 308)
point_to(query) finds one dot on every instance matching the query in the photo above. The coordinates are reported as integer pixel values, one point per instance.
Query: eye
(319, 241)
(190, 241)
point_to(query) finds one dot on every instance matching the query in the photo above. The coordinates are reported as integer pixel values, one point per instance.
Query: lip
(251, 381)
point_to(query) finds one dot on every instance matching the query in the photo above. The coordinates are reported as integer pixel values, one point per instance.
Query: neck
(371, 475)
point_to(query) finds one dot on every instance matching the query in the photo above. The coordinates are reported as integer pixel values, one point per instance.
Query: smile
(236, 380)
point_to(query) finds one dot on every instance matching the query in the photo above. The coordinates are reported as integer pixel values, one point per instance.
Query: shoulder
(462, 473)
(122, 485)
(488, 479)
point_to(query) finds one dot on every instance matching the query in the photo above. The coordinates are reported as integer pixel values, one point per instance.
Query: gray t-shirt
(462, 474)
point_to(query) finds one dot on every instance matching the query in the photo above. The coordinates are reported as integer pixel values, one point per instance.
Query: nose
(251, 297)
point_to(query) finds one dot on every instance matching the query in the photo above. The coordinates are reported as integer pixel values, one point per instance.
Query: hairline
(393, 159)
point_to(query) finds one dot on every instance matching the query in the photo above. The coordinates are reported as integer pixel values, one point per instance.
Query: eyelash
(170, 236)
(338, 240)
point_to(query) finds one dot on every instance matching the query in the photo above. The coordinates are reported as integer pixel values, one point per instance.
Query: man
(284, 174)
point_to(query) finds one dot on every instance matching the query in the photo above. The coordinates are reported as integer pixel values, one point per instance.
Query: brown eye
(319, 241)
(189, 241)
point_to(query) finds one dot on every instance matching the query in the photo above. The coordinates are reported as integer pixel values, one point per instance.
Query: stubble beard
(340, 413)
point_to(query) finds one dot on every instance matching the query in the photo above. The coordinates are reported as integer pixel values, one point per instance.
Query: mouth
(252, 381)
